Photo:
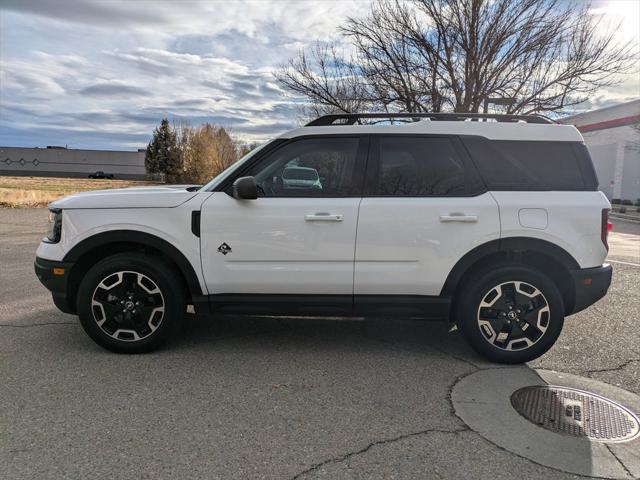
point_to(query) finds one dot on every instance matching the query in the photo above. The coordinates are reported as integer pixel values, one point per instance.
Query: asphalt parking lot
(273, 398)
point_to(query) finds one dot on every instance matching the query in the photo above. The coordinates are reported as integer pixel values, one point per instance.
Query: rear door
(298, 236)
(424, 207)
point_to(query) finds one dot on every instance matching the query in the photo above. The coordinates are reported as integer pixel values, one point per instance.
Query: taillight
(605, 227)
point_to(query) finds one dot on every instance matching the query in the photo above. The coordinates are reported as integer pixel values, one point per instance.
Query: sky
(101, 74)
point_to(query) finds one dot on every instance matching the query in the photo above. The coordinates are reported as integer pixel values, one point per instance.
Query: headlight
(55, 226)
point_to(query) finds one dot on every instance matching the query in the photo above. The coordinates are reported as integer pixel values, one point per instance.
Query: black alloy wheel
(131, 302)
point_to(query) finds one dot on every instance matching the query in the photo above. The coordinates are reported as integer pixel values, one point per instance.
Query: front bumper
(591, 284)
(54, 276)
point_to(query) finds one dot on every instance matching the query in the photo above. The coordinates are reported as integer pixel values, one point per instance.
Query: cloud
(101, 74)
(108, 89)
(32, 83)
(86, 11)
(77, 72)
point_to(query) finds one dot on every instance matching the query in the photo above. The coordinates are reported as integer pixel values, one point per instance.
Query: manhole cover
(576, 412)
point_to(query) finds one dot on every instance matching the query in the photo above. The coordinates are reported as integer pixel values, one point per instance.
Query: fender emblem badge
(224, 249)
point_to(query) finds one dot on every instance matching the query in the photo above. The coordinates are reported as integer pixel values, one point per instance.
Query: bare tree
(389, 63)
(458, 55)
(330, 82)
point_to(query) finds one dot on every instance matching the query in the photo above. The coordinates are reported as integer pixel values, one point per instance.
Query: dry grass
(20, 192)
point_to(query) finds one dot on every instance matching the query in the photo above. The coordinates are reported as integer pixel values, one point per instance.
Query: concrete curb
(483, 401)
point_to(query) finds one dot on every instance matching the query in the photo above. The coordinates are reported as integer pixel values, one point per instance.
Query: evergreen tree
(163, 155)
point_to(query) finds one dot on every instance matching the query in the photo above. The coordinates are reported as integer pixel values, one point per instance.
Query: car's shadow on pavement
(326, 334)
(238, 332)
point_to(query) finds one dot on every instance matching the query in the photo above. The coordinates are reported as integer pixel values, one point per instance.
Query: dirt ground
(20, 192)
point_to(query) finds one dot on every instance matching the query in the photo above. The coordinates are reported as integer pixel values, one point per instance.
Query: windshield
(300, 174)
(230, 169)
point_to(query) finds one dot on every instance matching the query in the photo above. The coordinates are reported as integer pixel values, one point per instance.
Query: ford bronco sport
(493, 222)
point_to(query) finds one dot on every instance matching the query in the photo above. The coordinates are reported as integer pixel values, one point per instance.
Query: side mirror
(245, 188)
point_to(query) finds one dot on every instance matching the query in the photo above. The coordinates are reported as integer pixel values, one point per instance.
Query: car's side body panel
(570, 220)
(408, 246)
(276, 247)
(172, 225)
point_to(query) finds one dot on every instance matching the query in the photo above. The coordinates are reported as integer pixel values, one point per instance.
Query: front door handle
(459, 217)
(323, 217)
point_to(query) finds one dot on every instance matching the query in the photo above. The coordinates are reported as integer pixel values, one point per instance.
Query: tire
(131, 302)
(510, 313)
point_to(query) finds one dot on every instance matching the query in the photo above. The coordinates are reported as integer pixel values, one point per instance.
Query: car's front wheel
(130, 302)
(510, 314)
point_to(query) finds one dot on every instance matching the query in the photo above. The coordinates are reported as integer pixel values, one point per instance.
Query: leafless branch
(438, 55)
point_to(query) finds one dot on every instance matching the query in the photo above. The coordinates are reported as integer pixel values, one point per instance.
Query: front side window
(314, 167)
(418, 167)
(218, 179)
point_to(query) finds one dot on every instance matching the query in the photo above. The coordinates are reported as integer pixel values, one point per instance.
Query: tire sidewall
(154, 268)
(475, 289)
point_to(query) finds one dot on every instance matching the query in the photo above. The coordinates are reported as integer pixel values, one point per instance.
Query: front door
(298, 236)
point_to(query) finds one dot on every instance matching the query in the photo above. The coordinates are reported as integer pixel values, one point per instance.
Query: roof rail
(352, 118)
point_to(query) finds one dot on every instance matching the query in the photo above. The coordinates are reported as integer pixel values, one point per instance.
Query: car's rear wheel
(130, 302)
(510, 314)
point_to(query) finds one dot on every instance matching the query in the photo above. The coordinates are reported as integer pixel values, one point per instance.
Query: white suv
(492, 222)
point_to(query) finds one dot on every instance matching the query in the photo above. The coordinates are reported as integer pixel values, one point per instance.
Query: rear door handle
(323, 217)
(459, 217)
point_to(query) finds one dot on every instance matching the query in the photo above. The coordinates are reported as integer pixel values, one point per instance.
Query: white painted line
(624, 263)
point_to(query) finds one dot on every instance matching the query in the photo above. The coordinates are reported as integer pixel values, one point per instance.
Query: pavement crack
(347, 456)
(458, 358)
(627, 471)
(37, 324)
(611, 369)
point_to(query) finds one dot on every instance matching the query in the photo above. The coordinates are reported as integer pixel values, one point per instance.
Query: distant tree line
(187, 154)
(510, 56)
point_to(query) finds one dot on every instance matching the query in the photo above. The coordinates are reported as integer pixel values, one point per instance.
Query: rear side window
(410, 166)
(532, 165)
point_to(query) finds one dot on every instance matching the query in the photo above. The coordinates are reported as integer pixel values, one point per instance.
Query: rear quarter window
(532, 165)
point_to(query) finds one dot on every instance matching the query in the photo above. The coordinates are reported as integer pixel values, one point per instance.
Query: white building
(612, 135)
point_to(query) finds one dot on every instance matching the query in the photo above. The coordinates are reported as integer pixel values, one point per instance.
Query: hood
(136, 197)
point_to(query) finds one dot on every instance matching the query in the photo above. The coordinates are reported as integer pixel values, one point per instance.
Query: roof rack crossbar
(352, 118)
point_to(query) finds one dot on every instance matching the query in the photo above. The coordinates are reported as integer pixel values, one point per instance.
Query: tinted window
(532, 165)
(418, 167)
(318, 167)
